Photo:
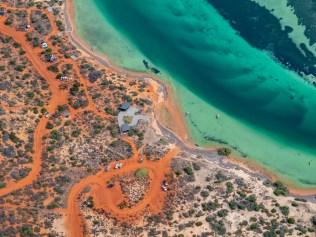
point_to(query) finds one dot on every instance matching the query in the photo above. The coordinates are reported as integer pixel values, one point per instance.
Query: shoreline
(260, 170)
(170, 101)
(170, 104)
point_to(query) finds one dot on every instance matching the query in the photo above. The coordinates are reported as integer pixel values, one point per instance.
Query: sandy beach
(100, 138)
(169, 113)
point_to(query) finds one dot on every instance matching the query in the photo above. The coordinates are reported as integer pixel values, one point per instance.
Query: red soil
(58, 98)
(108, 199)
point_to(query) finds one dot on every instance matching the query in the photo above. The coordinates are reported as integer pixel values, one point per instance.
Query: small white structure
(141, 160)
(164, 186)
(44, 45)
(118, 165)
(63, 78)
(74, 57)
(52, 58)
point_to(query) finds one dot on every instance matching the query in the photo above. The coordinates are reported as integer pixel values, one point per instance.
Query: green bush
(55, 135)
(291, 220)
(178, 172)
(220, 177)
(26, 76)
(229, 187)
(30, 94)
(76, 133)
(224, 151)
(251, 198)
(19, 68)
(60, 25)
(8, 21)
(52, 205)
(222, 213)
(217, 225)
(2, 185)
(269, 234)
(26, 231)
(280, 189)
(188, 170)
(285, 210)
(294, 204)
(13, 137)
(210, 206)
(204, 193)
(199, 223)
(49, 125)
(53, 68)
(253, 226)
(142, 172)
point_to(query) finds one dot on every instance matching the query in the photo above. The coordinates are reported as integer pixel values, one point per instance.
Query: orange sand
(59, 97)
(108, 199)
(153, 201)
(168, 113)
(105, 199)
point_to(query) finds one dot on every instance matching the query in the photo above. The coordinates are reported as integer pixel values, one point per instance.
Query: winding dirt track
(105, 199)
(108, 199)
(58, 98)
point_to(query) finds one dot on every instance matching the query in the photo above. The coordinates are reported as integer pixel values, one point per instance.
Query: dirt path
(105, 200)
(108, 199)
(58, 98)
(180, 134)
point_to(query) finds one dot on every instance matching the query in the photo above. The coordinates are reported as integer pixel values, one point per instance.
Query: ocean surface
(236, 89)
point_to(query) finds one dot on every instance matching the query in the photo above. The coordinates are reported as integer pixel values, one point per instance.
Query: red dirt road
(105, 199)
(108, 199)
(58, 98)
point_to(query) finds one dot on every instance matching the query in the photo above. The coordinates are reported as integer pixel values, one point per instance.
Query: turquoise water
(265, 111)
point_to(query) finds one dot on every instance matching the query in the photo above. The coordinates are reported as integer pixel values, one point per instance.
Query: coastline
(169, 105)
(175, 118)
(260, 170)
